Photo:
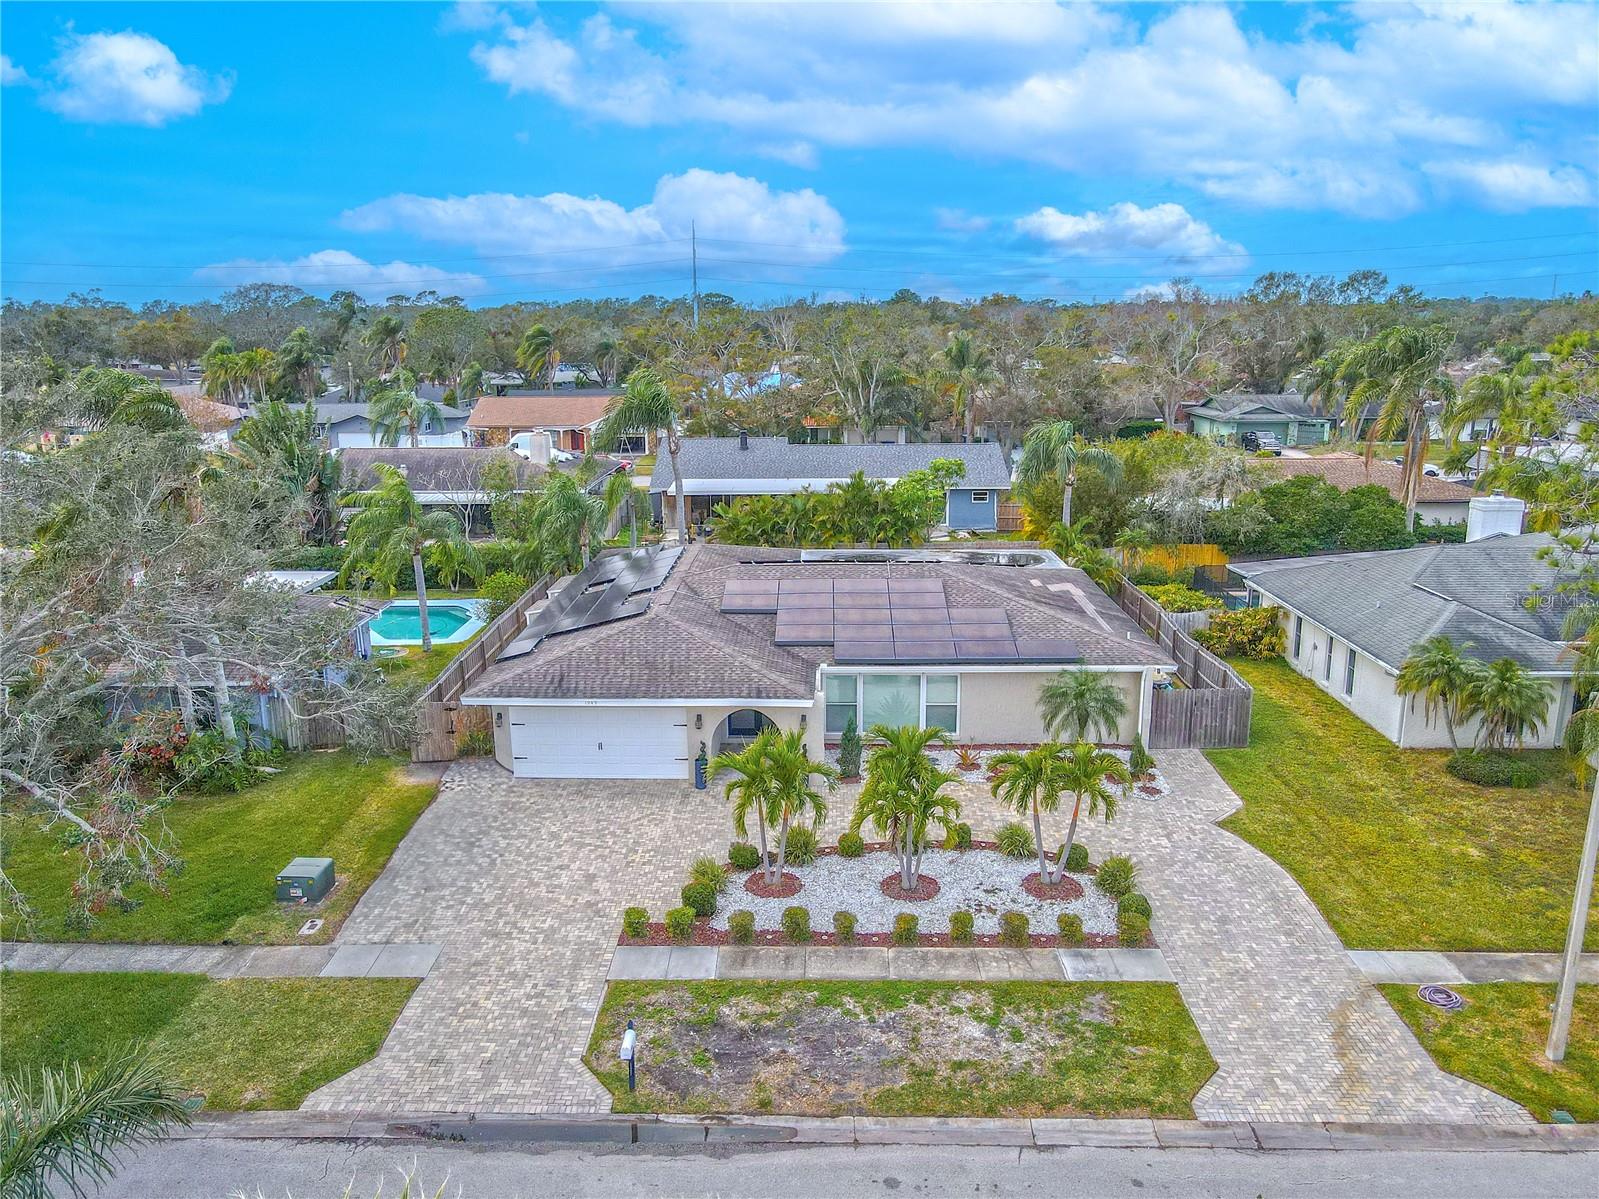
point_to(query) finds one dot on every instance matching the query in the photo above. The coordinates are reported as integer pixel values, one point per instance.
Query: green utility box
(305, 880)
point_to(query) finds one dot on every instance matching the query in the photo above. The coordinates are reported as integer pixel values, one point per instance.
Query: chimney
(1494, 515)
(743, 440)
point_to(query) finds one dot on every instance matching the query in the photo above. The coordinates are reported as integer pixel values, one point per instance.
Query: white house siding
(1447, 514)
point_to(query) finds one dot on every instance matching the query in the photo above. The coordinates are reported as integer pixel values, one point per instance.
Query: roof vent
(743, 440)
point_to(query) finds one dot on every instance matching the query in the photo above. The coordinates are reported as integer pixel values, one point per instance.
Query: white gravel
(981, 881)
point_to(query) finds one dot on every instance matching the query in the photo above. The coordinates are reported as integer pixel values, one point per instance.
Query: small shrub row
(700, 898)
(680, 924)
(1071, 928)
(1132, 928)
(797, 924)
(636, 922)
(1245, 633)
(741, 927)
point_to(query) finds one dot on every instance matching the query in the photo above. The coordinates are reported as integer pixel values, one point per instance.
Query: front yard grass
(903, 1049)
(241, 1044)
(1397, 852)
(232, 846)
(1498, 1040)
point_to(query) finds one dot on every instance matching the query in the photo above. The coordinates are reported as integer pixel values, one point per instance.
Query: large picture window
(891, 699)
(925, 701)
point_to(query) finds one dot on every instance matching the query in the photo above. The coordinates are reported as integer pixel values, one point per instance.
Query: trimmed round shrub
(851, 845)
(1071, 928)
(635, 922)
(741, 927)
(1134, 902)
(680, 924)
(905, 928)
(1077, 858)
(1131, 929)
(708, 872)
(1013, 929)
(797, 924)
(960, 928)
(701, 898)
(844, 926)
(1494, 768)
(801, 847)
(743, 856)
(959, 836)
(1015, 840)
(1116, 876)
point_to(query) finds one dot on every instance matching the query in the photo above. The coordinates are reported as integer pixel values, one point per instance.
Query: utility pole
(694, 268)
(1566, 993)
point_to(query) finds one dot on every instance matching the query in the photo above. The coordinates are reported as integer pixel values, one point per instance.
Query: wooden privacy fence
(1008, 514)
(441, 720)
(1211, 710)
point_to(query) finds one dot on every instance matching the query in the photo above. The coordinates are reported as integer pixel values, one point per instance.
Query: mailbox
(305, 880)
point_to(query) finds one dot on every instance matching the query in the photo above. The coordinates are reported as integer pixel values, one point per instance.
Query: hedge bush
(680, 924)
(851, 845)
(1494, 768)
(1077, 858)
(701, 898)
(960, 928)
(310, 557)
(800, 849)
(742, 856)
(1245, 633)
(959, 836)
(500, 590)
(905, 925)
(844, 926)
(1175, 597)
(1115, 876)
(1013, 929)
(797, 924)
(1134, 902)
(741, 927)
(635, 922)
(1131, 929)
(1071, 928)
(1015, 840)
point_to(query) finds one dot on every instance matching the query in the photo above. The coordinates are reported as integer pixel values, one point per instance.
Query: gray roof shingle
(776, 459)
(1234, 405)
(433, 468)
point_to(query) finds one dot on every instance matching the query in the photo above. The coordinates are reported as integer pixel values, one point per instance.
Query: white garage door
(599, 743)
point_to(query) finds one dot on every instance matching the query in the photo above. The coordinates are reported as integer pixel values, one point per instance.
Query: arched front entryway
(738, 729)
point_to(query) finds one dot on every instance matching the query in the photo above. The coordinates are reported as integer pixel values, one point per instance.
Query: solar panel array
(886, 620)
(609, 588)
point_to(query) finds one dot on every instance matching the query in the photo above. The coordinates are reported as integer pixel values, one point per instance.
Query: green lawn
(1386, 451)
(242, 1044)
(415, 665)
(322, 804)
(1396, 852)
(1498, 1040)
(903, 1049)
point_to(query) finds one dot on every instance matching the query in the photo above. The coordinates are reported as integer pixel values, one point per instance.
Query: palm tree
(962, 370)
(389, 526)
(1055, 449)
(1439, 673)
(297, 364)
(619, 492)
(282, 439)
(904, 794)
(104, 396)
(537, 355)
(398, 407)
(773, 780)
(566, 519)
(1506, 398)
(1076, 700)
(1029, 782)
(62, 1128)
(254, 370)
(386, 338)
(1085, 770)
(646, 406)
(1508, 700)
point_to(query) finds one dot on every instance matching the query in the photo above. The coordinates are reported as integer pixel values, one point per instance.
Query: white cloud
(1515, 185)
(11, 74)
(797, 153)
(342, 270)
(958, 220)
(128, 78)
(798, 227)
(1160, 229)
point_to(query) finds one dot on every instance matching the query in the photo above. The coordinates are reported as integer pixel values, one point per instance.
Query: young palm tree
(1439, 673)
(1508, 700)
(1029, 782)
(750, 790)
(537, 356)
(1055, 449)
(391, 526)
(646, 406)
(903, 797)
(385, 337)
(397, 408)
(772, 780)
(1074, 701)
(566, 520)
(962, 370)
(60, 1129)
(1085, 770)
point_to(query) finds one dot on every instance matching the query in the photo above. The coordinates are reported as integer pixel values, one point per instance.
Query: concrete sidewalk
(867, 962)
(1454, 969)
(226, 961)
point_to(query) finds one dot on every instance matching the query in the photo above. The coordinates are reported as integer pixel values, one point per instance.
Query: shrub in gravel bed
(743, 856)
(1132, 928)
(1013, 929)
(709, 872)
(801, 847)
(635, 922)
(1116, 876)
(851, 845)
(1071, 928)
(1134, 902)
(797, 924)
(741, 927)
(1077, 858)
(1014, 840)
(905, 928)
(701, 897)
(959, 836)
(960, 928)
(680, 924)
(844, 926)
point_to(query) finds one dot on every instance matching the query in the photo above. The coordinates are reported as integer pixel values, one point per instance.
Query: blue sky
(552, 151)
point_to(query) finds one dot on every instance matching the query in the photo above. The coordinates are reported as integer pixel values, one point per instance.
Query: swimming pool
(450, 622)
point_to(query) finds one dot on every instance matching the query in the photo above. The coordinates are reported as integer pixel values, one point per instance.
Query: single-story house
(450, 477)
(1352, 619)
(345, 426)
(651, 657)
(1438, 500)
(1288, 415)
(216, 422)
(570, 417)
(719, 469)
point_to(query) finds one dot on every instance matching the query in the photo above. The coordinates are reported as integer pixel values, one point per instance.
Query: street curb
(865, 1131)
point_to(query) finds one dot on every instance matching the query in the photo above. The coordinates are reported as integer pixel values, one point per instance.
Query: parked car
(1268, 442)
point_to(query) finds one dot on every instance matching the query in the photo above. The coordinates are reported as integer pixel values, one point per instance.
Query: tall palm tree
(255, 370)
(1075, 701)
(904, 797)
(566, 520)
(536, 355)
(62, 1128)
(1509, 701)
(1029, 782)
(385, 337)
(646, 406)
(1054, 449)
(962, 370)
(219, 372)
(1506, 398)
(773, 780)
(1439, 673)
(297, 364)
(282, 439)
(398, 408)
(390, 526)
(1087, 772)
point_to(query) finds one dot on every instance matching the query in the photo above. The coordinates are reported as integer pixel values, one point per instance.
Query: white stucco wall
(1447, 514)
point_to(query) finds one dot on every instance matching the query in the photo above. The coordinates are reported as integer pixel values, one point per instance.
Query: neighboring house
(217, 423)
(1289, 416)
(650, 658)
(718, 469)
(1352, 619)
(345, 426)
(1438, 501)
(570, 418)
(567, 374)
(441, 477)
(825, 431)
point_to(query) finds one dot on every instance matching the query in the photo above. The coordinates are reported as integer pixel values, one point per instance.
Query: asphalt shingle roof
(573, 409)
(433, 468)
(1347, 471)
(1233, 405)
(775, 458)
